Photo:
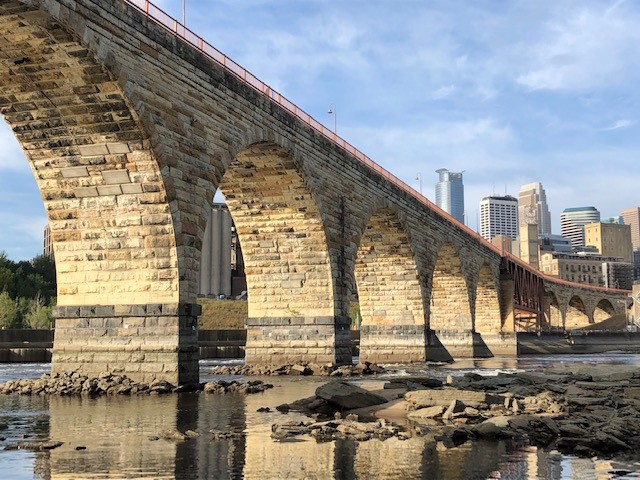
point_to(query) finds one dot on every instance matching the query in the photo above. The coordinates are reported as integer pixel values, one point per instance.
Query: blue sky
(509, 92)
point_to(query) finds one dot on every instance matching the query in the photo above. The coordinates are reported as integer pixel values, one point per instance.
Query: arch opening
(293, 313)
(450, 309)
(604, 310)
(576, 316)
(280, 229)
(552, 314)
(386, 274)
(389, 293)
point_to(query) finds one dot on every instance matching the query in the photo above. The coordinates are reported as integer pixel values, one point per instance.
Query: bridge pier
(281, 340)
(392, 343)
(143, 342)
(400, 344)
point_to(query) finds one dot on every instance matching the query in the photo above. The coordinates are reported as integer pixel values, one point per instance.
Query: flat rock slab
(347, 396)
(395, 410)
(428, 412)
(602, 385)
(429, 398)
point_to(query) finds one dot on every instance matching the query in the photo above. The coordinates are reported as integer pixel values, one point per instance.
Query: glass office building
(450, 193)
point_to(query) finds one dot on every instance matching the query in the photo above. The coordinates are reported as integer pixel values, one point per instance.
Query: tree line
(27, 292)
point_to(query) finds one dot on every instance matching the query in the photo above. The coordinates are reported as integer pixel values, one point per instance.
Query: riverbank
(586, 412)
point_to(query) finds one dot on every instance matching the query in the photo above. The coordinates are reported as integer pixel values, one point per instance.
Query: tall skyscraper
(533, 208)
(498, 216)
(631, 217)
(572, 222)
(450, 193)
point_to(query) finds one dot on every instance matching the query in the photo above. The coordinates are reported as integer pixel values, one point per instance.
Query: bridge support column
(489, 344)
(392, 343)
(144, 342)
(401, 344)
(281, 340)
(462, 343)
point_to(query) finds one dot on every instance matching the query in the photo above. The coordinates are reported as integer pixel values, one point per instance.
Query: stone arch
(109, 209)
(389, 292)
(553, 313)
(106, 203)
(282, 235)
(292, 307)
(386, 274)
(487, 307)
(449, 302)
(576, 316)
(603, 310)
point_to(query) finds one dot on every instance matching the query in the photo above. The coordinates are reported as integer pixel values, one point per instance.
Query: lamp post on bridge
(184, 13)
(332, 111)
(419, 178)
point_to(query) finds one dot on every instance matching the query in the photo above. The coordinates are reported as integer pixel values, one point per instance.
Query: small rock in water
(81, 447)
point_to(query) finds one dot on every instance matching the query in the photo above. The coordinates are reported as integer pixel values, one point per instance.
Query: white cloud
(584, 49)
(624, 123)
(443, 92)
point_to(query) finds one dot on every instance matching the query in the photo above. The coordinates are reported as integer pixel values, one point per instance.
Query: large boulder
(346, 396)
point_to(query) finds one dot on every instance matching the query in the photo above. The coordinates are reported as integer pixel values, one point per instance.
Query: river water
(116, 432)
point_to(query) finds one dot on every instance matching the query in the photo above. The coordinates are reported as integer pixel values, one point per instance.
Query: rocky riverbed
(585, 413)
(114, 384)
(304, 369)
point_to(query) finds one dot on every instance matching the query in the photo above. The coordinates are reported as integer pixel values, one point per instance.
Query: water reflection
(116, 432)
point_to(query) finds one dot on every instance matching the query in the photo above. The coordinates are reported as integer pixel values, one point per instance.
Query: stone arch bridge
(131, 123)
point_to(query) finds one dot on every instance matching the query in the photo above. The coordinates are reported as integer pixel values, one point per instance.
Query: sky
(508, 92)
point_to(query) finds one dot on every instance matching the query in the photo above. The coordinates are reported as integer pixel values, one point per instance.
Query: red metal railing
(171, 24)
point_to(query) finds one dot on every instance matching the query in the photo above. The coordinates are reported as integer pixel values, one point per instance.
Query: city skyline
(545, 97)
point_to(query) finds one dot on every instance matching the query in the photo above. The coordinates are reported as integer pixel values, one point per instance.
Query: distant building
(631, 217)
(533, 208)
(450, 193)
(572, 222)
(503, 242)
(47, 245)
(610, 239)
(221, 262)
(529, 244)
(554, 243)
(574, 267)
(636, 265)
(498, 216)
(618, 275)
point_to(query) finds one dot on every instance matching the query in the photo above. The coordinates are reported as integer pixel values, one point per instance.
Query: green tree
(9, 312)
(6, 279)
(38, 315)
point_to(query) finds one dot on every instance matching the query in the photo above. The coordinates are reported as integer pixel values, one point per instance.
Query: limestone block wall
(105, 199)
(145, 342)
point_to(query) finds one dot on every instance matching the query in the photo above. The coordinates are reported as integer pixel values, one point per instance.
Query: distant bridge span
(130, 123)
